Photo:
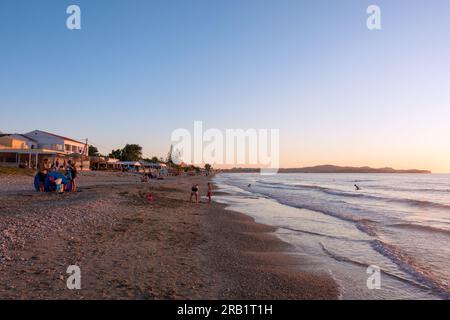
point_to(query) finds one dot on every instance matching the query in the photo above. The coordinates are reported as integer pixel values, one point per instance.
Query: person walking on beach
(209, 194)
(194, 192)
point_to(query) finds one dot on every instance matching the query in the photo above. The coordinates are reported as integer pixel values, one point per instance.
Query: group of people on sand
(195, 193)
(70, 174)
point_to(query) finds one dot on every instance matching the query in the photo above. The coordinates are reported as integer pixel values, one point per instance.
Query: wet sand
(128, 248)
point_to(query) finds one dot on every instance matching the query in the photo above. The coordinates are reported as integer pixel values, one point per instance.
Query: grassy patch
(17, 171)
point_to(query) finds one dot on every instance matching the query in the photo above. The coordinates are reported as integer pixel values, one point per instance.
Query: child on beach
(194, 192)
(209, 195)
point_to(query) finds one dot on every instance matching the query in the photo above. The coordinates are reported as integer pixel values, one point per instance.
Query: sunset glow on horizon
(339, 93)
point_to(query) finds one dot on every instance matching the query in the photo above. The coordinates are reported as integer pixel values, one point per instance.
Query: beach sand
(128, 248)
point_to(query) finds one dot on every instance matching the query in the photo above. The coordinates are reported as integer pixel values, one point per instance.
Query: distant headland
(332, 169)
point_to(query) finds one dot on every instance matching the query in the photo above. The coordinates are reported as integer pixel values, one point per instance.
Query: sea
(388, 240)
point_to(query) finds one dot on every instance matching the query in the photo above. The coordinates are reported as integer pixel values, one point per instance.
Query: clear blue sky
(139, 69)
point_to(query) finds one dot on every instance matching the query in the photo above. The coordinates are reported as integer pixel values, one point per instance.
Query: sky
(137, 70)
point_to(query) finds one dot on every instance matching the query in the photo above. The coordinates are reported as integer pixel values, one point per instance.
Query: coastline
(128, 248)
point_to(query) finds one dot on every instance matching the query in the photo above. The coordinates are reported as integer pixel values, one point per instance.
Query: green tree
(208, 167)
(93, 151)
(116, 154)
(153, 159)
(131, 152)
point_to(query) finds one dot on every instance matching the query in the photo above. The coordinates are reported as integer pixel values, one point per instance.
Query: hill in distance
(333, 169)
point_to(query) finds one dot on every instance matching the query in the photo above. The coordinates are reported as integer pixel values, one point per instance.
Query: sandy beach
(128, 248)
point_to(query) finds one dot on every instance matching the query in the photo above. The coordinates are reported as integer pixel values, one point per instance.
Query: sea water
(397, 222)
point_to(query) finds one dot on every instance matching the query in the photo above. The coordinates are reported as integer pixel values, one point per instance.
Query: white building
(27, 150)
(57, 143)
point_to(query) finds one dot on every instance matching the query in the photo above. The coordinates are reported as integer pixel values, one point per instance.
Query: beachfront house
(16, 141)
(47, 140)
(104, 163)
(153, 165)
(16, 149)
(156, 168)
(27, 150)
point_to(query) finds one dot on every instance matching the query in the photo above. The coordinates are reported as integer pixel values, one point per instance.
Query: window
(68, 147)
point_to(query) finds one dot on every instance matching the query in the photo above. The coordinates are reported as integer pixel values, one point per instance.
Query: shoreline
(259, 265)
(128, 248)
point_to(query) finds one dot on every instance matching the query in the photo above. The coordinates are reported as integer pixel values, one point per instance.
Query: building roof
(17, 135)
(32, 151)
(60, 137)
(129, 163)
(26, 137)
(152, 164)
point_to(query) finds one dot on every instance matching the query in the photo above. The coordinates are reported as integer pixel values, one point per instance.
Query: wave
(342, 216)
(340, 258)
(422, 275)
(420, 227)
(420, 203)
(367, 226)
(409, 265)
(387, 188)
(322, 234)
(342, 193)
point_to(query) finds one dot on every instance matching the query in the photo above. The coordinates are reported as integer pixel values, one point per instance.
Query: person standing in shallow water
(194, 192)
